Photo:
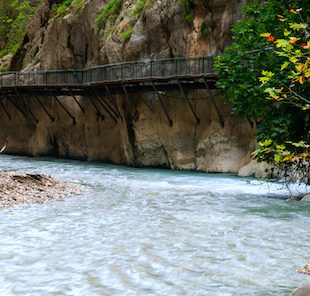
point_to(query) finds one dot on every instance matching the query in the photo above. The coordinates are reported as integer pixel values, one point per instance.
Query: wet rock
(302, 290)
(255, 169)
(306, 198)
(294, 198)
(305, 269)
(20, 188)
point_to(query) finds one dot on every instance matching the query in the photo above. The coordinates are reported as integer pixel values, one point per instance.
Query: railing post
(203, 65)
(151, 68)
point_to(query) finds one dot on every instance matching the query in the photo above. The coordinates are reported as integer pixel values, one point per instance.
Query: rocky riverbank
(22, 188)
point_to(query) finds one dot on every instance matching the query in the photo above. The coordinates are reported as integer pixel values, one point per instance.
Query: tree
(265, 74)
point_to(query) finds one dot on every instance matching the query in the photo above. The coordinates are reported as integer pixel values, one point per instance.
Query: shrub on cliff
(109, 13)
(265, 74)
(14, 18)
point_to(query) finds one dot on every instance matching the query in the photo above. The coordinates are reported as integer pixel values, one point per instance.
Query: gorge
(80, 94)
(73, 39)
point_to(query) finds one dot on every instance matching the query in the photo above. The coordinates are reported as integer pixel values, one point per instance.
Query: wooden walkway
(104, 81)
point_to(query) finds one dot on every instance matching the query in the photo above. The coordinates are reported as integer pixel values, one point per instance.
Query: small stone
(305, 269)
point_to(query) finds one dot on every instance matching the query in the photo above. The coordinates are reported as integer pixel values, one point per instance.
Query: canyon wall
(142, 135)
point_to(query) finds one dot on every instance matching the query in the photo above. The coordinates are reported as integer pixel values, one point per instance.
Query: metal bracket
(20, 110)
(128, 103)
(76, 101)
(103, 99)
(26, 106)
(147, 105)
(214, 103)
(100, 100)
(113, 102)
(65, 109)
(162, 105)
(188, 102)
(43, 107)
(6, 112)
(98, 113)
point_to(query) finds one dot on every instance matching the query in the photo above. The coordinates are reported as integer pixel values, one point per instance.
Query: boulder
(302, 290)
(255, 169)
(306, 198)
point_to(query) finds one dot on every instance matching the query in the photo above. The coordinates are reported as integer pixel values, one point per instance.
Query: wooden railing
(121, 72)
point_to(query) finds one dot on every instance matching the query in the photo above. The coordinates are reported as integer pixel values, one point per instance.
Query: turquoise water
(152, 232)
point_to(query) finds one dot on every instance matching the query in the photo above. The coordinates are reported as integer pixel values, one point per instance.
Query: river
(152, 232)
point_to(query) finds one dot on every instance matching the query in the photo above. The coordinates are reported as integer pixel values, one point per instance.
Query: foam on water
(153, 232)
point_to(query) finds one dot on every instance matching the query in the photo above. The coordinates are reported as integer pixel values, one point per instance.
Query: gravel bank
(21, 188)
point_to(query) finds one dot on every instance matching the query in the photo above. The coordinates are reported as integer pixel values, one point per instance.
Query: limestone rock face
(141, 136)
(73, 40)
(145, 139)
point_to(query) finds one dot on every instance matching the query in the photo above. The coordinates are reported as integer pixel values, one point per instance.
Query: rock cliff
(141, 136)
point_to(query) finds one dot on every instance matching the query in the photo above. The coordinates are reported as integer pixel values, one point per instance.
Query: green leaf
(268, 73)
(284, 65)
(298, 27)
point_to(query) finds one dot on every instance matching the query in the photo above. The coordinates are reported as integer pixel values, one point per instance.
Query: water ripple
(152, 232)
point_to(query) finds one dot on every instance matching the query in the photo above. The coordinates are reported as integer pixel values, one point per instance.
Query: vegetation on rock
(14, 18)
(139, 6)
(265, 74)
(187, 14)
(127, 33)
(204, 29)
(121, 25)
(109, 13)
(60, 8)
(64, 7)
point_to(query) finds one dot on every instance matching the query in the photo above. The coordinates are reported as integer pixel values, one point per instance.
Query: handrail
(127, 71)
